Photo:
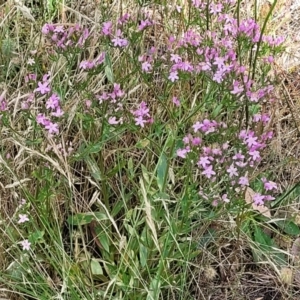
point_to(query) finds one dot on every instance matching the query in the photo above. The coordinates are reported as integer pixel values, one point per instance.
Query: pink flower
(265, 118)
(258, 199)
(215, 8)
(185, 66)
(3, 103)
(225, 199)
(43, 87)
(26, 245)
(256, 118)
(225, 146)
(146, 66)
(219, 61)
(176, 101)
(42, 119)
(243, 181)
(217, 151)
(119, 42)
(124, 19)
(196, 141)
(47, 28)
(54, 37)
(22, 219)
(173, 76)
(197, 126)
(215, 202)
(204, 162)
(251, 141)
(107, 28)
(187, 138)
(243, 134)
(144, 24)
(269, 198)
(83, 38)
(178, 8)
(58, 112)
(140, 121)
(32, 76)
(88, 103)
(241, 164)
(237, 88)
(182, 152)
(255, 155)
(113, 121)
(232, 170)
(270, 185)
(117, 91)
(59, 29)
(218, 76)
(52, 102)
(100, 59)
(175, 58)
(84, 65)
(46, 77)
(238, 155)
(208, 172)
(52, 128)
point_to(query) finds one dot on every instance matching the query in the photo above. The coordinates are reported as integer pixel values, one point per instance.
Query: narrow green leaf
(94, 169)
(85, 150)
(261, 237)
(153, 293)
(130, 167)
(95, 148)
(108, 69)
(86, 218)
(162, 168)
(98, 216)
(80, 219)
(103, 238)
(141, 144)
(145, 173)
(117, 208)
(143, 255)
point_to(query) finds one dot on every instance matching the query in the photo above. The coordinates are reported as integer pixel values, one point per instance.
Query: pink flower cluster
(112, 97)
(52, 105)
(124, 19)
(144, 24)
(142, 115)
(3, 103)
(117, 39)
(66, 38)
(116, 105)
(30, 77)
(61, 149)
(90, 64)
(146, 60)
(23, 218)
(216, 52)
(229, 163)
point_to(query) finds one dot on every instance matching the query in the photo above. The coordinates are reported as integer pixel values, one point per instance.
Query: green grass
(114, 212)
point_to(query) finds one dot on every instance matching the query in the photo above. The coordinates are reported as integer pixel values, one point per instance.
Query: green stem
(261, 36)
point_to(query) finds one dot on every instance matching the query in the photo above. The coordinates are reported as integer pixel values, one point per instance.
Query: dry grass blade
(149, 218)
